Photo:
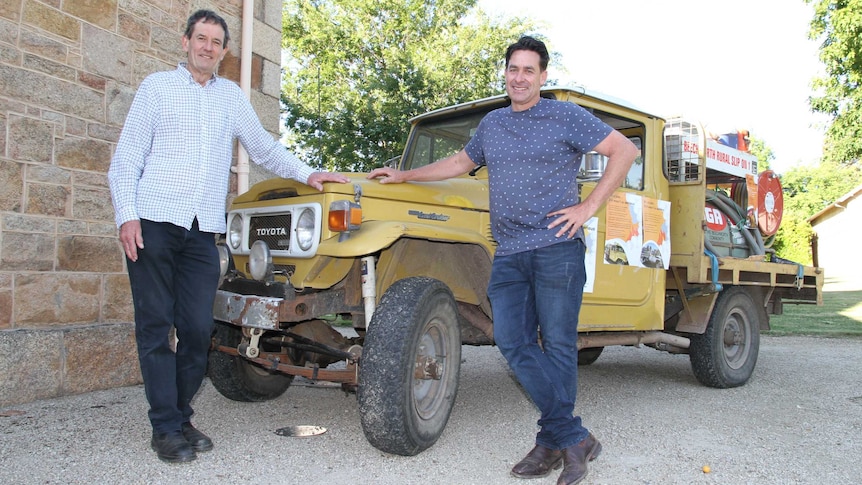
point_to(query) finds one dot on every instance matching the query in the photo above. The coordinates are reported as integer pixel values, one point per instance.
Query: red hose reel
(770, 203)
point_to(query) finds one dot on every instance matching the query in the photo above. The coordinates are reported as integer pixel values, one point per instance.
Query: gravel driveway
(799, 420)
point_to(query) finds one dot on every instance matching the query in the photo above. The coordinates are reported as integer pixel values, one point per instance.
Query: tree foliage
(793, 240)
(838, 25)
(357, 70)
(811, 189)
(763, 152)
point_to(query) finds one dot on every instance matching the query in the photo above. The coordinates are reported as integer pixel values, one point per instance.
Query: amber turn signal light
(344, 216)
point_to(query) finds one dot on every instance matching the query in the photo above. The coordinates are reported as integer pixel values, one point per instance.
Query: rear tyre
(408, 374)
(725, 355)
(238, 379)
(590, 355)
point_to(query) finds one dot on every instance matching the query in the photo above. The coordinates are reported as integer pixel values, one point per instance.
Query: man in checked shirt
(169, 181)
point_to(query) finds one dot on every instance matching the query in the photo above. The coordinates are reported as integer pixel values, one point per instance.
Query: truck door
(628, 246)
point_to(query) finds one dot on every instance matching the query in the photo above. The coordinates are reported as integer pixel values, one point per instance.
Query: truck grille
(274, 230)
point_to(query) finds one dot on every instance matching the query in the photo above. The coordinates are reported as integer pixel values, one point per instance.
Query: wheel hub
(735, 339)
(428, 368)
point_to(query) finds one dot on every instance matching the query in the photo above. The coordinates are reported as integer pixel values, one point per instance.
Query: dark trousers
(173, 285)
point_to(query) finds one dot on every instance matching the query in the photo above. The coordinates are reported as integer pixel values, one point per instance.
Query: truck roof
(496, 99)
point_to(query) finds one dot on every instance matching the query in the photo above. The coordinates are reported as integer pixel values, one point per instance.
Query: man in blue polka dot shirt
(532, 151)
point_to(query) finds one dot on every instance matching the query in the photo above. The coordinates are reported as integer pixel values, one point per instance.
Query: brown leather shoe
(538, 463)
(575, 459)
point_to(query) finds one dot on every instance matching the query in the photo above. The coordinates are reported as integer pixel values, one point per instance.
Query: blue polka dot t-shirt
(533, 157)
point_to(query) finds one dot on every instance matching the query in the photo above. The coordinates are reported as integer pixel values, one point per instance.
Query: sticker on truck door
(638, 231)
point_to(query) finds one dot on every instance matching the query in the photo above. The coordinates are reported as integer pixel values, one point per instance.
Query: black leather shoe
(575, 460)
(199, 441)
(538, 463)
(172, 447)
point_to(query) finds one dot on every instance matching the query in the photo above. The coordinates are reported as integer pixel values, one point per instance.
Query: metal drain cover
(300, 431)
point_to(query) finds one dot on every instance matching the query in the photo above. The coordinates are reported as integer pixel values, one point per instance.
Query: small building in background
(837, 233)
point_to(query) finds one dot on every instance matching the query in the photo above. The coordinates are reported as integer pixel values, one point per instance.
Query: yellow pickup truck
(377, 287)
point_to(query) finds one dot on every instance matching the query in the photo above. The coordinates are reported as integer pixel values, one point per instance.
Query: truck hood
(466, 191)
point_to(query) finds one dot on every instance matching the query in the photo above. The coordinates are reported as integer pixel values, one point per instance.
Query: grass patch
(839, 316)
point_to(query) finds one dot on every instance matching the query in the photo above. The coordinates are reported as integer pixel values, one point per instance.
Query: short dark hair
(209, 17)
(527, 43)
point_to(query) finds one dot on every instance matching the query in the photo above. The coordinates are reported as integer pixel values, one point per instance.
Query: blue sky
(729, 64)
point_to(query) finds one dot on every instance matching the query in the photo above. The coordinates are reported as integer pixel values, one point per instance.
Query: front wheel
(725, 355)
(408, 374)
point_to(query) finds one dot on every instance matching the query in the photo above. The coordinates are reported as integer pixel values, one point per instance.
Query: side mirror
(593, 166)
(393, 162)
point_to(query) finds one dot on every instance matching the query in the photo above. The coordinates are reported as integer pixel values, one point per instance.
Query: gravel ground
(799, 420)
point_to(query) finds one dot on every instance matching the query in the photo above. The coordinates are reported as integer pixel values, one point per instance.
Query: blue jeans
(173, 285)
(542, 290)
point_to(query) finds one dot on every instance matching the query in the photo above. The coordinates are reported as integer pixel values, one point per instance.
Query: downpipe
(659, 340)
(242, 164)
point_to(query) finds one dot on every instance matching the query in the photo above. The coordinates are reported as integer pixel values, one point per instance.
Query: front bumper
(248, 303)
(247, 310)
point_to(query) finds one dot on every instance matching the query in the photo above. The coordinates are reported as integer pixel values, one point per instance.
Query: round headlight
(223, 258)
(234, 235)
(305, 229)
(259, 261)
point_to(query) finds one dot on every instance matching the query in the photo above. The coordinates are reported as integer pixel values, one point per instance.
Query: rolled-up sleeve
(264, 149)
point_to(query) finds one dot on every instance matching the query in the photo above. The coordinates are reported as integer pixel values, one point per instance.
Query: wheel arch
(464, 267)
(693, 317)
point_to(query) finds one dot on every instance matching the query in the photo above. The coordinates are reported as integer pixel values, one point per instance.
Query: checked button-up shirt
(172, 161)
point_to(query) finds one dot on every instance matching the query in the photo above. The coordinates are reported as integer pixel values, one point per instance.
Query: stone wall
(68, 73)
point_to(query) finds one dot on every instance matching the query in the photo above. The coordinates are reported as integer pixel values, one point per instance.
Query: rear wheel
(408, 374)
(725, 355)
(238, 379)
(590, 355)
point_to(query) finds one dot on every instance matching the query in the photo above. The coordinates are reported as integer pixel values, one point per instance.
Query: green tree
(838, 25)
(764, 154)
(793, 240)
(357, 70)
(811, 189)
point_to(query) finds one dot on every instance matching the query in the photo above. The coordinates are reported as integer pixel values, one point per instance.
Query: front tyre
(238, 379)
(408, 374)
(725, 355)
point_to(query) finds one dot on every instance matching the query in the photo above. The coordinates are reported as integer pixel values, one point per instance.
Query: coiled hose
(737, 216)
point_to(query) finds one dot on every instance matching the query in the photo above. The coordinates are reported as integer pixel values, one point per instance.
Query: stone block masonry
(68, 73)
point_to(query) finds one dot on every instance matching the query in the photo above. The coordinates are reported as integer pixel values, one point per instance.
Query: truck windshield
(436, 139)
(440, 137)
